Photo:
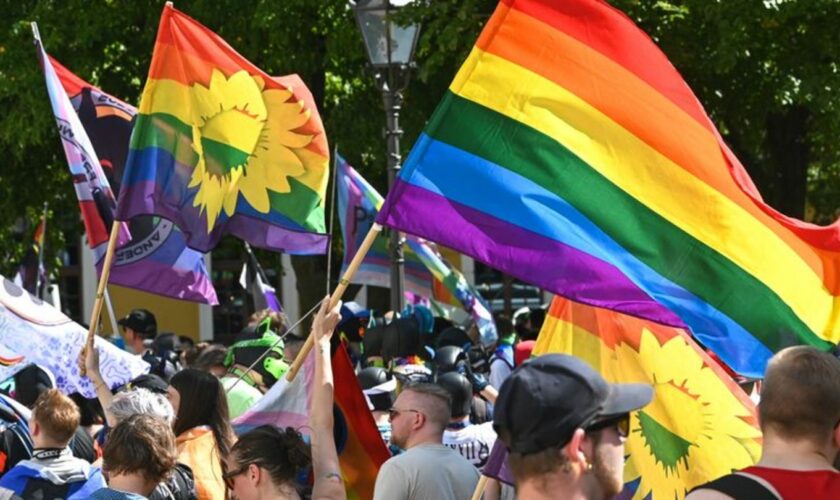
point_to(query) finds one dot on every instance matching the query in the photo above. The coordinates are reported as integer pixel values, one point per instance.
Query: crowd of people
(439, 399)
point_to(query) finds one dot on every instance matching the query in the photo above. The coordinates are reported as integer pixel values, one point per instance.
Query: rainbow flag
(700, 425)
(456, 286)
(594, 172)
(220, 147)
(32, 275)
(155, 259)
(359, 444)
(358, 203)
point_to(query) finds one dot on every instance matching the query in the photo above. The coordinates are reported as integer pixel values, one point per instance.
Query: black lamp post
(390, 49)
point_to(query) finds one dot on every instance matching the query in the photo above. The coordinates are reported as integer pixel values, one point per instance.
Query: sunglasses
(620, 423)
(394, 413)
(228, 476)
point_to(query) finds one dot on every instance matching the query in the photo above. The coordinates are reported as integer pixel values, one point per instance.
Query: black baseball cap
(547, 398)
(148, 381)
(141, 321)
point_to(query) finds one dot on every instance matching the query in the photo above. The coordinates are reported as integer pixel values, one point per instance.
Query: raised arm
(329, 483)
(103, 392)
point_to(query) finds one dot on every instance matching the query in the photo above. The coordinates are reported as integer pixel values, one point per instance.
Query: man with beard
(564, 427)
(427, 470)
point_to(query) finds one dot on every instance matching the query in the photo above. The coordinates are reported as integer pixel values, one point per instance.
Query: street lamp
(390, 49)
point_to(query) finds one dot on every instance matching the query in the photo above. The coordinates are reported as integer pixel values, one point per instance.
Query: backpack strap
(742, 485)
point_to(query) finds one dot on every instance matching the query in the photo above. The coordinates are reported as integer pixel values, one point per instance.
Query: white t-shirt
(473, 442)
(426, 472)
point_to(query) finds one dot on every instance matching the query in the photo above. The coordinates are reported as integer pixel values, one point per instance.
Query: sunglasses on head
(621, 424)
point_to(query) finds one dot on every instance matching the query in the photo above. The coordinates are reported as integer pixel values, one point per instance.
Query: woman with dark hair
(263, 464)
(204, 435)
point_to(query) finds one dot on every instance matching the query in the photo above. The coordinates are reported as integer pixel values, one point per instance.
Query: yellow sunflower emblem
(695, 429)
(245, 141)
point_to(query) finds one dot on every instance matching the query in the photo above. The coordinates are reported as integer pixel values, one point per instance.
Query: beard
(398, 440)
(608, 475)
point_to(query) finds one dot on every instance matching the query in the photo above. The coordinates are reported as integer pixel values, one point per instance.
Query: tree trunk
(789, 154)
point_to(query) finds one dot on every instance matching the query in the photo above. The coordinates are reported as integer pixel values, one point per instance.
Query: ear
(578, 449)
(419, 420)
(254, 473)
(835, 434)
(34, 428)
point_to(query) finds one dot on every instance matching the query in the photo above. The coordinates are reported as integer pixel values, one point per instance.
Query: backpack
(741, 485)
(15, 442)
(179, 486)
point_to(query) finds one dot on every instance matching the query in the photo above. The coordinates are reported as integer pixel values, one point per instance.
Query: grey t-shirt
(426, 472)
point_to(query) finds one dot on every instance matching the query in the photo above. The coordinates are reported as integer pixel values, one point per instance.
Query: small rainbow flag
(358, 204)
(700, 425)
(569, 152)
(220, 147)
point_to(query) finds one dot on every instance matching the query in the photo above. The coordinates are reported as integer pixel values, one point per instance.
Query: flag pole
(375, 229)
(100, 291)
(480, 487)
(110, 307)
(332, 215)
(43, 245)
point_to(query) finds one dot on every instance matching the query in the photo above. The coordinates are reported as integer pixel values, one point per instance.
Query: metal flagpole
(332, 216)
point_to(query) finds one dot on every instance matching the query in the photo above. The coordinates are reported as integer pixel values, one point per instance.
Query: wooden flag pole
(480, 487)
(100, 291)
(375, 229)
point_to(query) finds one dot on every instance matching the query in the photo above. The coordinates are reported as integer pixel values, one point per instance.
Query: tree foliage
(767, 72)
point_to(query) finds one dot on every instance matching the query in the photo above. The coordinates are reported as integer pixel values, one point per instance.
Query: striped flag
(358, 204)
(361, 450)
(31, 275)
(95, 129)
(594, 172)
(254, 280)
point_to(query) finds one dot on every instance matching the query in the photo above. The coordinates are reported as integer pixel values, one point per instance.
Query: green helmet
(245, 352)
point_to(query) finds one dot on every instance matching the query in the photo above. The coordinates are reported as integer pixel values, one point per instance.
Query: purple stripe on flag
(518, 251)
(161, 278)
(496, 466)
(149, 198)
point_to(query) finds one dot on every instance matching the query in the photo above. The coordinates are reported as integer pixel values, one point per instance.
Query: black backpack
(180, 486)
(15, 442)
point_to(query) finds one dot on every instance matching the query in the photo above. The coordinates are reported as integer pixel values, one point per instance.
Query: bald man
(428, 470)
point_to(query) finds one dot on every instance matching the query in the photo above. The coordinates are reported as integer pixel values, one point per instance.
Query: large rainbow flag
(220, 147)
(700, 425)
(569, 152)
(155, 259)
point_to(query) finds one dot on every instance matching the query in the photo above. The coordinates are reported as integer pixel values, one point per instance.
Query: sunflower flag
(220, 147)
(700, 425)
